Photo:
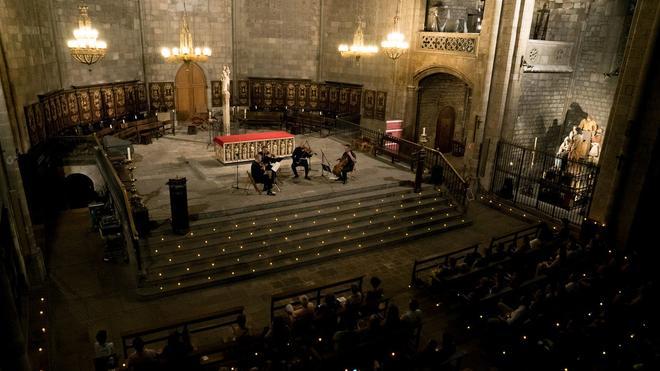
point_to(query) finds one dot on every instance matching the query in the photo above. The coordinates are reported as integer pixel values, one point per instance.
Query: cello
(340, 166)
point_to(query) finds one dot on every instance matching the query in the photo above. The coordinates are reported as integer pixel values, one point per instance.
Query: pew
(156, 337)
(260, 119)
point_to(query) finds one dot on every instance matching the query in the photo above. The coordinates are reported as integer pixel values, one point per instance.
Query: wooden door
(190, 91)
(444, 131)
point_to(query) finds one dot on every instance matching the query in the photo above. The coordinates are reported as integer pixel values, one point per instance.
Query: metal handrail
(121, 199)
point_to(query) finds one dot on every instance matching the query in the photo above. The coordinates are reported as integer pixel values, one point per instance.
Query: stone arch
(427, 71)
(79, 189)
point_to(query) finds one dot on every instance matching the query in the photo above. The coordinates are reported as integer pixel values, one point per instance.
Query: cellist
(347, 161)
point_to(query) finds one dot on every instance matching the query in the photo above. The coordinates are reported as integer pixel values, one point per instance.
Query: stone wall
(277, 38)
(547, 96)
(209, 21)
(437, 92)
(26, 37)
(564, 18)
(544, 96)
(601, 41)
(118, 24)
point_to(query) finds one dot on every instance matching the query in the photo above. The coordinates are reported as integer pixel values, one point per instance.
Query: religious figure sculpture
(226, 95)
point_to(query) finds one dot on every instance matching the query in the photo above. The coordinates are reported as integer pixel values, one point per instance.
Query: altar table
(242, 147)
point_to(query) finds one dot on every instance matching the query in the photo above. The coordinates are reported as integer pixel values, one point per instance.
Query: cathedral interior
(329, 185)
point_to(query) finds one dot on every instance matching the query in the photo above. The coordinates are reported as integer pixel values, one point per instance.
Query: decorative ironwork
(464, 44)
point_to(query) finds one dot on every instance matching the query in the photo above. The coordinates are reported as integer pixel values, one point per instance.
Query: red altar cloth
(224, 139)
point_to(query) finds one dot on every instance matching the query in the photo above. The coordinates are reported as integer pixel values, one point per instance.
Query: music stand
(325, 165)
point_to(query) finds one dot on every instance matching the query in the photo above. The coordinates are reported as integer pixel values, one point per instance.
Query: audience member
(143, 359)
(105, 358)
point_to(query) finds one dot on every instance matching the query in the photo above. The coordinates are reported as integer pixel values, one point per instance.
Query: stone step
(248, 229)
(244, 271)
(275, 206)
(317, 234)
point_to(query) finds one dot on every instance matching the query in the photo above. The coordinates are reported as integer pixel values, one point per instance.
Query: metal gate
(556, 186)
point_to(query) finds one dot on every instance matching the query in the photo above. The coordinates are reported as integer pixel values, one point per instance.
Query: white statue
(226, 95)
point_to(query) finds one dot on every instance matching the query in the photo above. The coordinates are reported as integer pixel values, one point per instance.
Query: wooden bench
(431, 262)
(157, 336)
(315, 294)
(260, 119)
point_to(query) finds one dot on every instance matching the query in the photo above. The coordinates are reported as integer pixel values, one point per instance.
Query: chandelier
(357, 49)
(395, 44)
(186, 52)
(86, 48)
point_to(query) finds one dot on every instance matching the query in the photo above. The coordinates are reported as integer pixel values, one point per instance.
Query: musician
(301, 157)
(267, 158)
(348, 159)
(262, 175)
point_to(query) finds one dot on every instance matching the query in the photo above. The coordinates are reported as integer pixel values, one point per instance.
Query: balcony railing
(461, 44)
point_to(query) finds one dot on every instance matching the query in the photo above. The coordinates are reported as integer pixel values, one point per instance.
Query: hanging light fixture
(395, 44)
(358, 49)
(186, 52)
(86, 48)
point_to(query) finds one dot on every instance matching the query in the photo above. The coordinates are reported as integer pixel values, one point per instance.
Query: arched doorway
(190, 91)
(79, 190)
(444, 130)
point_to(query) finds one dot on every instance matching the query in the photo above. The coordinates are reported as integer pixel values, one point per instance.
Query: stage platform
(211, 185)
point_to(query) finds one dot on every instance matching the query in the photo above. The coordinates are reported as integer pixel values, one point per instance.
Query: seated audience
(144, 359)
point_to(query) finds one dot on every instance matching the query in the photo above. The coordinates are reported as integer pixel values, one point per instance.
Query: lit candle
(128, 152)
(424, 131)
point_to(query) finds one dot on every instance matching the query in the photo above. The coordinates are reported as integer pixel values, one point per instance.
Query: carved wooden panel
(243, 93)
(35, 123)
(355, 100)
(301, 97)
(369, 104)
(120, 101)
(156, 97)
(85, 106)
(74, 111)
(129, 93)
(59, 109)
(268, 94)
(108, 99)
(216, 93)
(143, 102)
(290, 94)
(256, 94)
(323, 97)
(314, 96)
(381, 105)
(168, 95)
(344, 96)
(333, 98)
(280, 89)
(96, 104)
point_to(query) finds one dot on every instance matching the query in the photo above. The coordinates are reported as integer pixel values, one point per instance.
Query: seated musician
(348, 159)
(271, 162)
(301, 157)
(262, 175)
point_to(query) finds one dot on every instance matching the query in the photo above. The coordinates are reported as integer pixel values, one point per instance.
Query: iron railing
(555, 186)
(400, 150)
(120, 199)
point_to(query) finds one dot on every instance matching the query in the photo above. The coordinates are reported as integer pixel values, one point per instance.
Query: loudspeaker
(437, 175)
(507, 189)
(179, 205)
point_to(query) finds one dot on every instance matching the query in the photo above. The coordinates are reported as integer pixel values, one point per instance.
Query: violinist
(346, 164)
(271, 162)
(261, 174)
(301, 157)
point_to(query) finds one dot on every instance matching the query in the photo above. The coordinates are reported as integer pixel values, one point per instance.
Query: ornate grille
(464, 44)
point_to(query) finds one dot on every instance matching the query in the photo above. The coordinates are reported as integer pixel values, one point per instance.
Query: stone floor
(87, 294)
(211, 184)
